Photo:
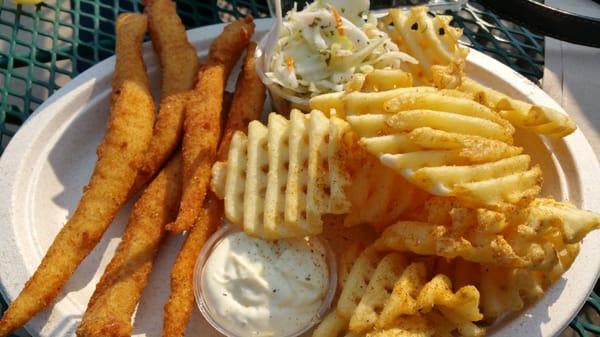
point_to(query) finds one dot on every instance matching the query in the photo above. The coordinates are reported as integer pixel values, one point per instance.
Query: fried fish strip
(247, 105)
(202, 128)
(127, 137)
(179, 71)
(111, 306)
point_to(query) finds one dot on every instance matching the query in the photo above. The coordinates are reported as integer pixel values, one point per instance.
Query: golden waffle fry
(235, 181)
(338, 157)
(394, 296)
(384, 277)
(448, 145)
(357, 282)
(295, 191)
(219, 174)
(450, 122)
(318, 190)
(539, 236)
(360, 103)
(431, 40)
(331, 326)
(291, 174)
(538, 119)
(476, 245)
(573, 223)
(257, 167)
(444, 101)
(386, 79)
(278, 148)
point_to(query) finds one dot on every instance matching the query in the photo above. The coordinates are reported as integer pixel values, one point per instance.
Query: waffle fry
(393, 296)
(357, 282)
(538, 119)
(573, 223)
(384, 277)
(448, 145)
(434, 43)
(257, 168)
(431, 40)
(540, 236)
(281, 180)
(381, 196)
(386, 79)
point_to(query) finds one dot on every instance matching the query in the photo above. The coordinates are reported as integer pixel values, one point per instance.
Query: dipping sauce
(254, 287)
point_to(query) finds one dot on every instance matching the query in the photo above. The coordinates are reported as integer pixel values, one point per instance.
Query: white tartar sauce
(259, 288)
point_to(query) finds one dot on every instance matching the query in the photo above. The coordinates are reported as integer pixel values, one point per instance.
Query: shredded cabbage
(323, 45)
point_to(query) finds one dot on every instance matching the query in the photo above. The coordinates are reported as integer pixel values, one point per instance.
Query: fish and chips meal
(397, 205)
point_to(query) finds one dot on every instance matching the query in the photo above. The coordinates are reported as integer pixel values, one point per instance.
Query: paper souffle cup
(203, 305)
(281, 101)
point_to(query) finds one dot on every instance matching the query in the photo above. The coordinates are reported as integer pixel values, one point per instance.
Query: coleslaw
(321, 47)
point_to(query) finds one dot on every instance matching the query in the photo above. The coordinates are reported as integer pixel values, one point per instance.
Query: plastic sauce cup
(204, 305)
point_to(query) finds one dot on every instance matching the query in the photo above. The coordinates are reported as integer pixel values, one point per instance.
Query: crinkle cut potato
(281, 178)
(399, 295)
(434, 43)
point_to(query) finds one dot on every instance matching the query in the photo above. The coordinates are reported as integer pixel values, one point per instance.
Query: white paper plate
(44, 168)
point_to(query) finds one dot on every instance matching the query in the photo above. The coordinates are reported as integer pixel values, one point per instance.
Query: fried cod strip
(247, 105)
(127, 137)
(202, 128)
(179, 70)
(111, 306)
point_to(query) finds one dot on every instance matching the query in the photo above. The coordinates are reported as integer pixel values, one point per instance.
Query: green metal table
(42, 47)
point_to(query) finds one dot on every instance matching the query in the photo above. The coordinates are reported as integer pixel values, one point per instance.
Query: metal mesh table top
(42, 47)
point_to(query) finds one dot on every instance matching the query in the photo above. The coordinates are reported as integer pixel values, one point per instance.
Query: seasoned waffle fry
(393, 296)
(331, 326)
(257, 168)
(338, 155)
(431, 40)
(573, 223)
(520, 187)
(294, 172)
(450, 122)
(384, 277)
(346, 261)
(452, 176)
(379, 194)
(357, 282)
(295, 191)
(408, 326)
(428, 239)
(475, 148)
(444, 101)
(539, 236)
(534, 118)
(217, 183)
(278, 135)
(359, 103)
(448, 145)
(386, 79)
(317, 201)
(235, 180)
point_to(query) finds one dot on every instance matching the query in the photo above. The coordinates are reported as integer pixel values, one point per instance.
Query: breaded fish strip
(127, 137)
(179, 71)
(117, 294)
(202, 128)
(247, 105)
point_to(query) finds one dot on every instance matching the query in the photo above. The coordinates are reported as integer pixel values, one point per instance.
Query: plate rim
(12, 160)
